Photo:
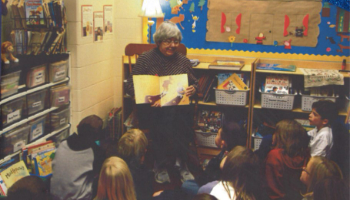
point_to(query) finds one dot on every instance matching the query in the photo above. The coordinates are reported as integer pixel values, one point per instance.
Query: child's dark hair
(233, 134)
(30, 188)
(327, 109)
(90, 125)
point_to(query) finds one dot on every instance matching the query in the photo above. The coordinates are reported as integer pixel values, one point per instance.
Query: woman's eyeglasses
(304, 169)
(168, 42)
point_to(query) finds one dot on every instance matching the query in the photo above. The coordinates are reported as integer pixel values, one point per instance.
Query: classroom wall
(96, 66)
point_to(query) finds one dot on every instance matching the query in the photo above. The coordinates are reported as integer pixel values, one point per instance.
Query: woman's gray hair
(167, 30)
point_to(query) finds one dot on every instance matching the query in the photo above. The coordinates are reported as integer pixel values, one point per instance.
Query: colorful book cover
(43, 162)
(210, 121)
(34, 12)
(14, 173)
(276, 67)
(277, 84)
(166, 90)
(233, 82)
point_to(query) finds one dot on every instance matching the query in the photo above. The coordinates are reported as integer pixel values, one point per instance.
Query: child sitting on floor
(115, 181)
(78, 161)
(132, 147)
(322, 116)
(227, 138)
(318, 169)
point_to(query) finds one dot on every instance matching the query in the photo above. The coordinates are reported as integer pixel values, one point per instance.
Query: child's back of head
(232, 134)
(326, 109)
(28, 188)
(331, 189)
(90, 128)
(132, 146)
(241, 170)
(292, 138)
(115, 181)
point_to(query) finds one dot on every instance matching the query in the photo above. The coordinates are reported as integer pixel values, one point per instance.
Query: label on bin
(14, 116)
(39, 78)
(37, 130)
(19, 145)
(61, 99)
(36, 104)
(62, 121)
(61, 73)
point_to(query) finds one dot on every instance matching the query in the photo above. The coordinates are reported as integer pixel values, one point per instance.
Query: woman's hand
(190, 90)
(156, 104)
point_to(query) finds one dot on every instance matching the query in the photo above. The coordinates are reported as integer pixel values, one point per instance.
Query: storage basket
(206, 139)
(277, 101)
(231, 97)
(307, 101)
(257, 141)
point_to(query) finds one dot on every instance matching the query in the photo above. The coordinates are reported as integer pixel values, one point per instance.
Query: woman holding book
(170, 126)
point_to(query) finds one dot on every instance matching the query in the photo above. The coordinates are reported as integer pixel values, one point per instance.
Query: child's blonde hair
(115, 182)
(321, 169)
(132, 145)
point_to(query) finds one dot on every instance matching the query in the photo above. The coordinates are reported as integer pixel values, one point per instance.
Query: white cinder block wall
(96, 66)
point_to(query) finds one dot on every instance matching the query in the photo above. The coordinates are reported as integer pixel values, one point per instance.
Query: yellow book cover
(168, 90)
(43, 162)
(234, 82)
(14, 173)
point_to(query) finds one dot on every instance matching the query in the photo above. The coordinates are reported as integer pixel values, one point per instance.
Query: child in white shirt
(322, 116)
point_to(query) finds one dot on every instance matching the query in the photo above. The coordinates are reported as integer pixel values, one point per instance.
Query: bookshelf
(38, 40)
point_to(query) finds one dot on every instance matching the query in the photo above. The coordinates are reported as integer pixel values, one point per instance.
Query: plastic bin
(60, 96)
(308, 100)
(14, 140)
(59, 119)
(13, 111)
(36, 102)
(231, 97)
(58, 71)
(36, 76)
(206, 139)
(256, 142)
(9, 84)
(59, 137)
(277, 101)
(37, 128)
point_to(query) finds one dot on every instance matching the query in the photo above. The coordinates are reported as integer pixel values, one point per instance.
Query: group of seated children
(296, 168)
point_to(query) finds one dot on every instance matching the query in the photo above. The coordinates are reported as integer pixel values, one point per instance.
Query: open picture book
(168, 90)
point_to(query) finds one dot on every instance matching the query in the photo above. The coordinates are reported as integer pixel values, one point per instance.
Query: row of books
(34, 159)
(28, 42)
(38, 13)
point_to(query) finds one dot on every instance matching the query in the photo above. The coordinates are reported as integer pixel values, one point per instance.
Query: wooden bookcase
(252, 109)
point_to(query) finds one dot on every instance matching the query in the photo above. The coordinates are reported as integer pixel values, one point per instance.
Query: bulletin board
(276, 27)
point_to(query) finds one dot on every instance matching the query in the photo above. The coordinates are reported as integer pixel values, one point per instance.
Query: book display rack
(35, 92)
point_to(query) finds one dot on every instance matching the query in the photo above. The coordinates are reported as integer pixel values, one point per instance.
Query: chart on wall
(277, 26)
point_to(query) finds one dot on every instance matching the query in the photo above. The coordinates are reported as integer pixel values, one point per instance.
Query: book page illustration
(169, 90)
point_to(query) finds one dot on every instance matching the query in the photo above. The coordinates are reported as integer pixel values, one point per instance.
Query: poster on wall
(108, 19)
(86, 20)
(98, 26)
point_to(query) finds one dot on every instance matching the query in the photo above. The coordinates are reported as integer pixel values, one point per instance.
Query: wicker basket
(231, 97)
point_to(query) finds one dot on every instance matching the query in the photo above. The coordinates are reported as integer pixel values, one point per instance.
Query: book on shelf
(167, 90)
(209, 121)
(22, 13)
(278, 84)
(16, 14)
(276, 67)
(43, 162)
(234, 82)
(223, 76)
(226, 65)
(34, 13)
(13, 173)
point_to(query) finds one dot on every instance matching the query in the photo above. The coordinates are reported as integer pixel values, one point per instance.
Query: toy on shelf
(6, 52)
